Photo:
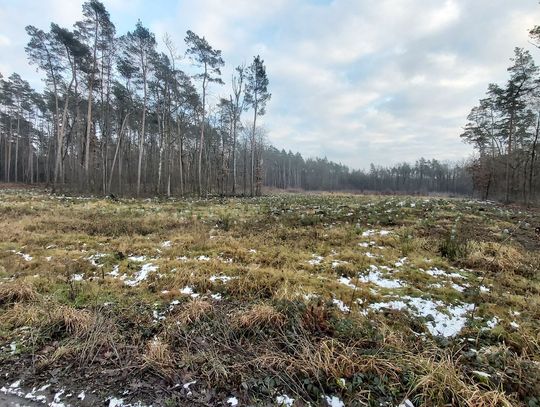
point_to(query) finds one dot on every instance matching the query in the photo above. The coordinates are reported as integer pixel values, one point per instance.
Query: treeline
(119, 116)
(504, 129)
(290, 171)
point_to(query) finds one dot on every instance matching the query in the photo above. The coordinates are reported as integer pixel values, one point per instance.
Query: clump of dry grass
(256, 284)
(493, 257)
(87, 333)
(158, 358)
(327, 360)
(61, 352)
(71, 321)
(440, 382)
(260, 316)
(23, 315)
(14, 292)
(337, 360)
(193, 311)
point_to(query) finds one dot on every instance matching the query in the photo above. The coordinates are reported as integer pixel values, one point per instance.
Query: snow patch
(375, 277)
(223, 279)
(233, 401)
(342, 307)
(448, 323)
(26, 257)
(315, 260)
(142, 275)
(334, 401)
(284, 400)
(346, 281)
(187, 290)
(138, 259)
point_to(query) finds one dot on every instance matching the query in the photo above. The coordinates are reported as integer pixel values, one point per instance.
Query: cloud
(4, 40)
(358, 81)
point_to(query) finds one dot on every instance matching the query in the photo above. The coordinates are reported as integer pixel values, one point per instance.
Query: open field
(281, 300)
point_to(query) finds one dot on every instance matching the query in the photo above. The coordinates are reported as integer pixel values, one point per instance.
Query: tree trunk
(252, 175)
(141, 139)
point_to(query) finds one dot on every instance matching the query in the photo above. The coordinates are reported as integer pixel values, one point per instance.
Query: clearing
(280, 300)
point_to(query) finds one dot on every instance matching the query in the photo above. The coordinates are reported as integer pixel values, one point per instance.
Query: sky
(356, 81)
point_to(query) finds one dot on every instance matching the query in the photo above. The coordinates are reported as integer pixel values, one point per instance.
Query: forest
(504, 129)
(118, 116)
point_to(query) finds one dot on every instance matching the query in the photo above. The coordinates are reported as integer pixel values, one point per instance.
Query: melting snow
(315, 260)
(142, 275)
(372, 232)
(376, 277)
(446, 324)
(137, 258)
(186, 385)
(346, 281)
(93, 259)
(187, 290)
(457, 287)
(401, 262)
(438, 272)
(284, 400)
(233, 401)
(481, 374)
(337, 263)
(114, 271)
(342, 307)
(334, 401)
(114, 402)
(492, 323)
(26, 257)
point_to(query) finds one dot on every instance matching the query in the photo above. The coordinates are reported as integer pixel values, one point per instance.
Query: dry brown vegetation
(308, 296)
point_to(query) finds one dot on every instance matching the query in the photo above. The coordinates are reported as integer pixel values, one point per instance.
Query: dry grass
(258, 317)
(159, 358)
(275, 327)
(493, 257)
(17, 292)
(440, 380)
(193, 311)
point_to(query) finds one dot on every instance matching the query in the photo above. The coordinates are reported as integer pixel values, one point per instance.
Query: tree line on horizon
(118, 116)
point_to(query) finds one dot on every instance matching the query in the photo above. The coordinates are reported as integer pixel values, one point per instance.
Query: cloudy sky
(357, 81)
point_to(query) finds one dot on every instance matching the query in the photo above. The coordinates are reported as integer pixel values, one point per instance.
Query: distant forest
(118, 116)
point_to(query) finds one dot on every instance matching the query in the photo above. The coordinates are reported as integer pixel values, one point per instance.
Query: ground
(279, 300)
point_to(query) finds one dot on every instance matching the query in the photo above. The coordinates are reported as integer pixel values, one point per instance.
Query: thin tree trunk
(116, 153)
